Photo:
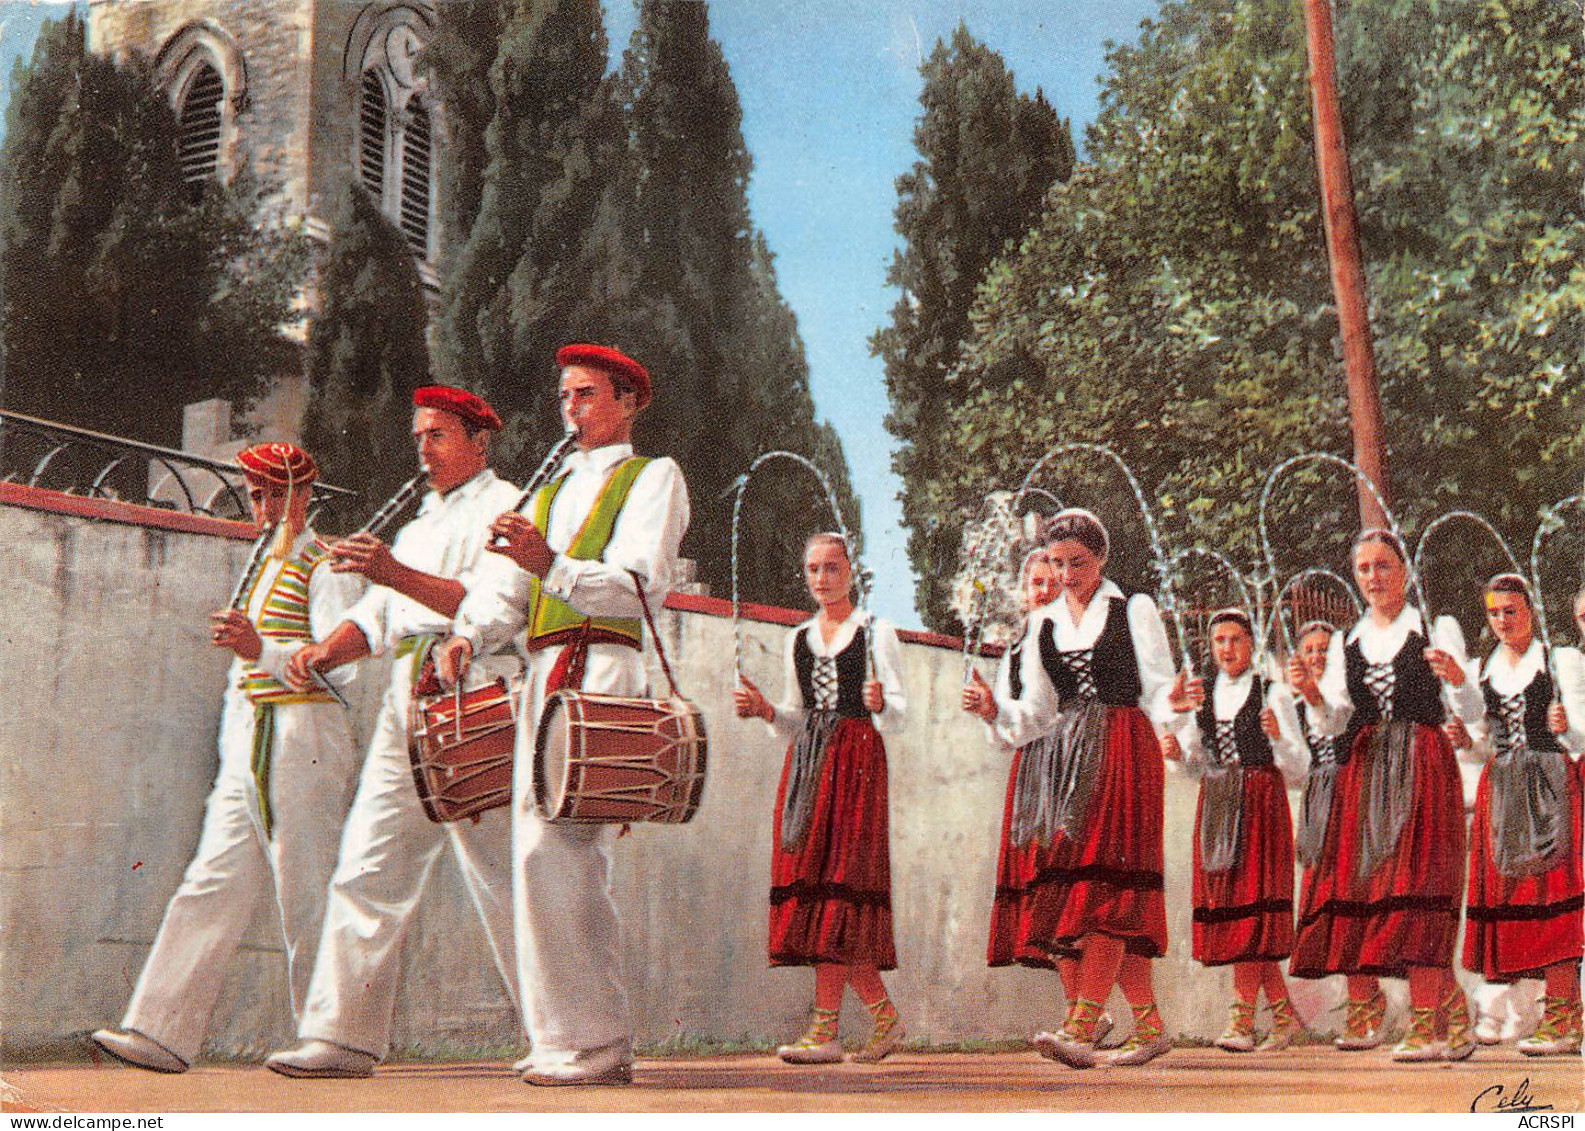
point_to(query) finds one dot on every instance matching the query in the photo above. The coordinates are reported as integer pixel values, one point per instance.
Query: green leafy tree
(1175, 300)
(128, 294)
(366, 352)
(988, 154)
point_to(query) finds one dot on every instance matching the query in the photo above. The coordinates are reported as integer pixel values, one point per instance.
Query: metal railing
(77, 461)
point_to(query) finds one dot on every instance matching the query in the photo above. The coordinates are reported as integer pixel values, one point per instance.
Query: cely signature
(1497, 1098)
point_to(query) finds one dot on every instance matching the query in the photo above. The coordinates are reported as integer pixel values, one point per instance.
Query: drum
(608, 758)
(461, 747)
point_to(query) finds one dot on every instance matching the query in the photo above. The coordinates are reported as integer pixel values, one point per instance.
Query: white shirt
(329, 596)
(1379, 644)
(1022, 721)
(645, 539)
(1290, 752)
(788, 715)
(446, 540)
(1508, 677)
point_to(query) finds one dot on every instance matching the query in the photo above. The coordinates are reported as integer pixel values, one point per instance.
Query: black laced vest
(1244, 741)
(850, 669)
(1108, 669)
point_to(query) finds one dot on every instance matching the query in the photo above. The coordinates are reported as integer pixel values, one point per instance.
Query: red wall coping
(133, 514)
(772, 614)
(130, 514)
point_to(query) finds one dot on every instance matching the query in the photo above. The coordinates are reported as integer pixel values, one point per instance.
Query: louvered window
(371, 135)
(200, 119)
(415, 176)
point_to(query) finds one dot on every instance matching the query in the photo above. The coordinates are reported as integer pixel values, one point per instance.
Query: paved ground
(1308, 1079)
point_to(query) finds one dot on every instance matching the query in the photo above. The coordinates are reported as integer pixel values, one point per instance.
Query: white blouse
(1290, 752)
(1379, 644)
(1509, 677)
(787, 718)
(1022, 721)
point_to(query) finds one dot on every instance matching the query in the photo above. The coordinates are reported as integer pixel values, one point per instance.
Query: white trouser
(313, 770)
(569, 943)
(388, 849)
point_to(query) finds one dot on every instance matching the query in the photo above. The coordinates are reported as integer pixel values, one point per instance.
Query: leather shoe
(608, 1064)
(322, 1060)
(134, 1048)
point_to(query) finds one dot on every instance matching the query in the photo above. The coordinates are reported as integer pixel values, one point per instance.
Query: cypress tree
(987, 156)
(366, 352)
(710, 320)
(545, 79)
(458, 58)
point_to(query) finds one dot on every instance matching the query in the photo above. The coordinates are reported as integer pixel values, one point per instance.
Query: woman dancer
(1243, 835)
(1385, 897)
(1021, 862)
(1525, 873)
(1100, 659)
(830, 900)
(1363, 1025)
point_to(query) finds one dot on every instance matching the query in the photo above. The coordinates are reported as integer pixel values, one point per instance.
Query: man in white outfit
(389, 846)
(605, 517)
(288, 767)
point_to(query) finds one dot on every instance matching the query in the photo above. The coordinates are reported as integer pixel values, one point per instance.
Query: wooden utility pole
(1348, 270)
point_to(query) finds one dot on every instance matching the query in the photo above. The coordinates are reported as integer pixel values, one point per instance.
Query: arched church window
(397, 124)
(201, 119)
(203, 72)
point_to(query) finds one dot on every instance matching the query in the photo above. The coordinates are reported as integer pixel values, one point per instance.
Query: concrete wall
(110, 697)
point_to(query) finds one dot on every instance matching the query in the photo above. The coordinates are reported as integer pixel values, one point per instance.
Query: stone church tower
(311, 94)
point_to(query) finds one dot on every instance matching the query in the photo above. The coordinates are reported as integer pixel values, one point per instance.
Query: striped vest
(551, 615)
(284, 617)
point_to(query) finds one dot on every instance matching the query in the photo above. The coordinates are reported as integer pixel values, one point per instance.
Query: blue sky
(830, 93)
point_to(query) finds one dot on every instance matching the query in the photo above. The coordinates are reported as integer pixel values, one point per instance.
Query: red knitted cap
(276, 462)
(607, 360)
(472, 409)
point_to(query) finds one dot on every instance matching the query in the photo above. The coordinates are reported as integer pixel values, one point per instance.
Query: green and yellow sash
(552, 616)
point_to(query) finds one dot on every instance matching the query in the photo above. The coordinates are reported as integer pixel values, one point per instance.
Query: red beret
(275, 462)
(607, 360)
(459, 402)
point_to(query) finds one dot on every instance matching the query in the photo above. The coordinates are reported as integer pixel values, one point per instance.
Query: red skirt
(1107, 880)
(831, 898)
(1245, 914)
(1405, 913)
(1515, 927)
(1020, 874)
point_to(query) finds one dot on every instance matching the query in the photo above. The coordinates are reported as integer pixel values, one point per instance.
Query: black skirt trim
(1089, 873)
(1243, 911)
(811, 892)
(1509, 912)
(1360, 909)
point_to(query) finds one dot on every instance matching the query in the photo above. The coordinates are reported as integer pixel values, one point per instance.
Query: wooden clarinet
(543, 473)
(394, 506)
(250, 572)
